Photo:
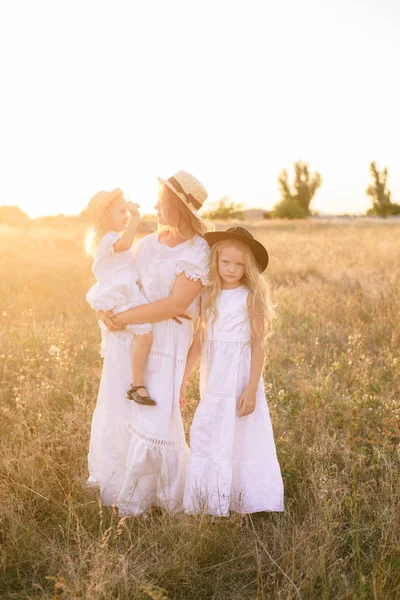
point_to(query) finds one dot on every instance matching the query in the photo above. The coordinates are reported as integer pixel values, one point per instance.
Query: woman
(138, 453)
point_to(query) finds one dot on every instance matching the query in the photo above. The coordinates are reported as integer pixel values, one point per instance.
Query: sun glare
(233, 104)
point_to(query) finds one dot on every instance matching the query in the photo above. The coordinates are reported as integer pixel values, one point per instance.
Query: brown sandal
(132, 394)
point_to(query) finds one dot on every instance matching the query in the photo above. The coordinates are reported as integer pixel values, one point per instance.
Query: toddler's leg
(140, 353)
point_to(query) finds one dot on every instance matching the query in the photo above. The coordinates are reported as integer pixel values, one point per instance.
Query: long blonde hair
(178, 215)
(97, 230)
(261, 309)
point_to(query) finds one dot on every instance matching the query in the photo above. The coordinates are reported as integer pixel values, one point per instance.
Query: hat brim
(259, 252)
(181, 196)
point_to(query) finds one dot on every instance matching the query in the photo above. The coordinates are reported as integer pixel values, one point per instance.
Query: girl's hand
(133, 209)
(108, 320)
(247, 402)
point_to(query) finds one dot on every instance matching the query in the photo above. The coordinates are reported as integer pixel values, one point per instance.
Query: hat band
(180, 189)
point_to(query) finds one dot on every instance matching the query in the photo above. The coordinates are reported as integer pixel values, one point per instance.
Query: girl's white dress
(117, 284)
(233, 463)
(138, 453)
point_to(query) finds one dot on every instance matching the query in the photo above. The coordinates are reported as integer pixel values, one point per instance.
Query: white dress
(117, 285)
(233, 463)
(138, 453)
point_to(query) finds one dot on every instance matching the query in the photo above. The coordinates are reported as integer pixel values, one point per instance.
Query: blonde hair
(261, 308)
(97, 230)
(178, 215)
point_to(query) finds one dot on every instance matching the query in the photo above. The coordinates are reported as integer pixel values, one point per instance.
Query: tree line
(296, 197)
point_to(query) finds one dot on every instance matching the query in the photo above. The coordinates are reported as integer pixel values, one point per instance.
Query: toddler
(110, 239)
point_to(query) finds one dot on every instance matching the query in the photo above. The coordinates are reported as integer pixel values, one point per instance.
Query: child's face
(117, 219)
(231, 266)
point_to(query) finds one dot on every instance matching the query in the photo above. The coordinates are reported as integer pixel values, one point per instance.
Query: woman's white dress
(117, 286)
(233, 463)
(138, 453)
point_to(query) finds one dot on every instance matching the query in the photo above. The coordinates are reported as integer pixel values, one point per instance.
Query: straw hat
(240, 233)
(188, 189)
(100, 202)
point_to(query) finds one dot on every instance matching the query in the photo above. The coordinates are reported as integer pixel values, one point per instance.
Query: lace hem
(220, 396)
(140, 329)
(108, 337)
(231, 461)
(148, 439)
(248, 510)
(127, 336)
(157, 353)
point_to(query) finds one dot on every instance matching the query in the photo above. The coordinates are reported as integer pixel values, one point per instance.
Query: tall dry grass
(332, 381)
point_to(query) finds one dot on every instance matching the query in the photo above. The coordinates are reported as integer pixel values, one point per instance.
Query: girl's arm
(182, 295)
(247, 401)
(126, 239)
(193, 358)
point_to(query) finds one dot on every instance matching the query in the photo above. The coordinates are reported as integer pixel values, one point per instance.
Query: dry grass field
(333, 387)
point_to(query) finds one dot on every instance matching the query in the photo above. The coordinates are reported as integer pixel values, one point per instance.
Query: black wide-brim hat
(241, 234)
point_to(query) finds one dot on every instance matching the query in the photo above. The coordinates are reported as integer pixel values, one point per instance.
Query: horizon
(317, 205)
(317, 213)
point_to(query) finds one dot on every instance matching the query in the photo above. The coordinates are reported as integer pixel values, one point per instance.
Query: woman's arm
(247, 402)
(182, 295)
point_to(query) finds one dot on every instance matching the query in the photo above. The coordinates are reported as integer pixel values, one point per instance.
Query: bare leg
(140, 353)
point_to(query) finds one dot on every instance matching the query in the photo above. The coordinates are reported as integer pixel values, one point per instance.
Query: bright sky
(102, 94)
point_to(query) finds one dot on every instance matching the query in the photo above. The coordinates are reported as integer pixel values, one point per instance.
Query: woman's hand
(108, 320)
(119, 320)
(247, 402)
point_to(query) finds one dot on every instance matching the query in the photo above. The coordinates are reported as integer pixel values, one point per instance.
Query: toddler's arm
(193, 358)
(126, 239)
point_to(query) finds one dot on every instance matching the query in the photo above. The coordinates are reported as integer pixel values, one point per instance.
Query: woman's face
(159, 207)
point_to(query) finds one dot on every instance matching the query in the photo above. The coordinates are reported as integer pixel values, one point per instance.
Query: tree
(288, 208)
(295, 202)
(224, 209)
(382, 204)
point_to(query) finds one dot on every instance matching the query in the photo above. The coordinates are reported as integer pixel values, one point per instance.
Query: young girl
(117, 279)
(233, 464)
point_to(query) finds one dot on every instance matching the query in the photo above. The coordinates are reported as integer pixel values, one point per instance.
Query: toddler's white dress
(117, 285)
(233, 463)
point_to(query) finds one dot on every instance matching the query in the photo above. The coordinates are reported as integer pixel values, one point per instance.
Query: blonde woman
(233, 464)
(138, 453)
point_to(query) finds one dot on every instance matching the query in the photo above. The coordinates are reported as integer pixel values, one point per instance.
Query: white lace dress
(117, 285)
(233, 463)
(138, 453)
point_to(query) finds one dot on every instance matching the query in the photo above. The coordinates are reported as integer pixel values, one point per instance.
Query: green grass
(332, 382)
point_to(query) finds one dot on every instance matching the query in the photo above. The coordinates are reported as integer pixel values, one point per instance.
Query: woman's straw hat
(188, 189)
(241, 234)
(100, 202)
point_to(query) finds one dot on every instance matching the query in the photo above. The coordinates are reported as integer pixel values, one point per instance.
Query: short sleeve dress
(138, 453)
